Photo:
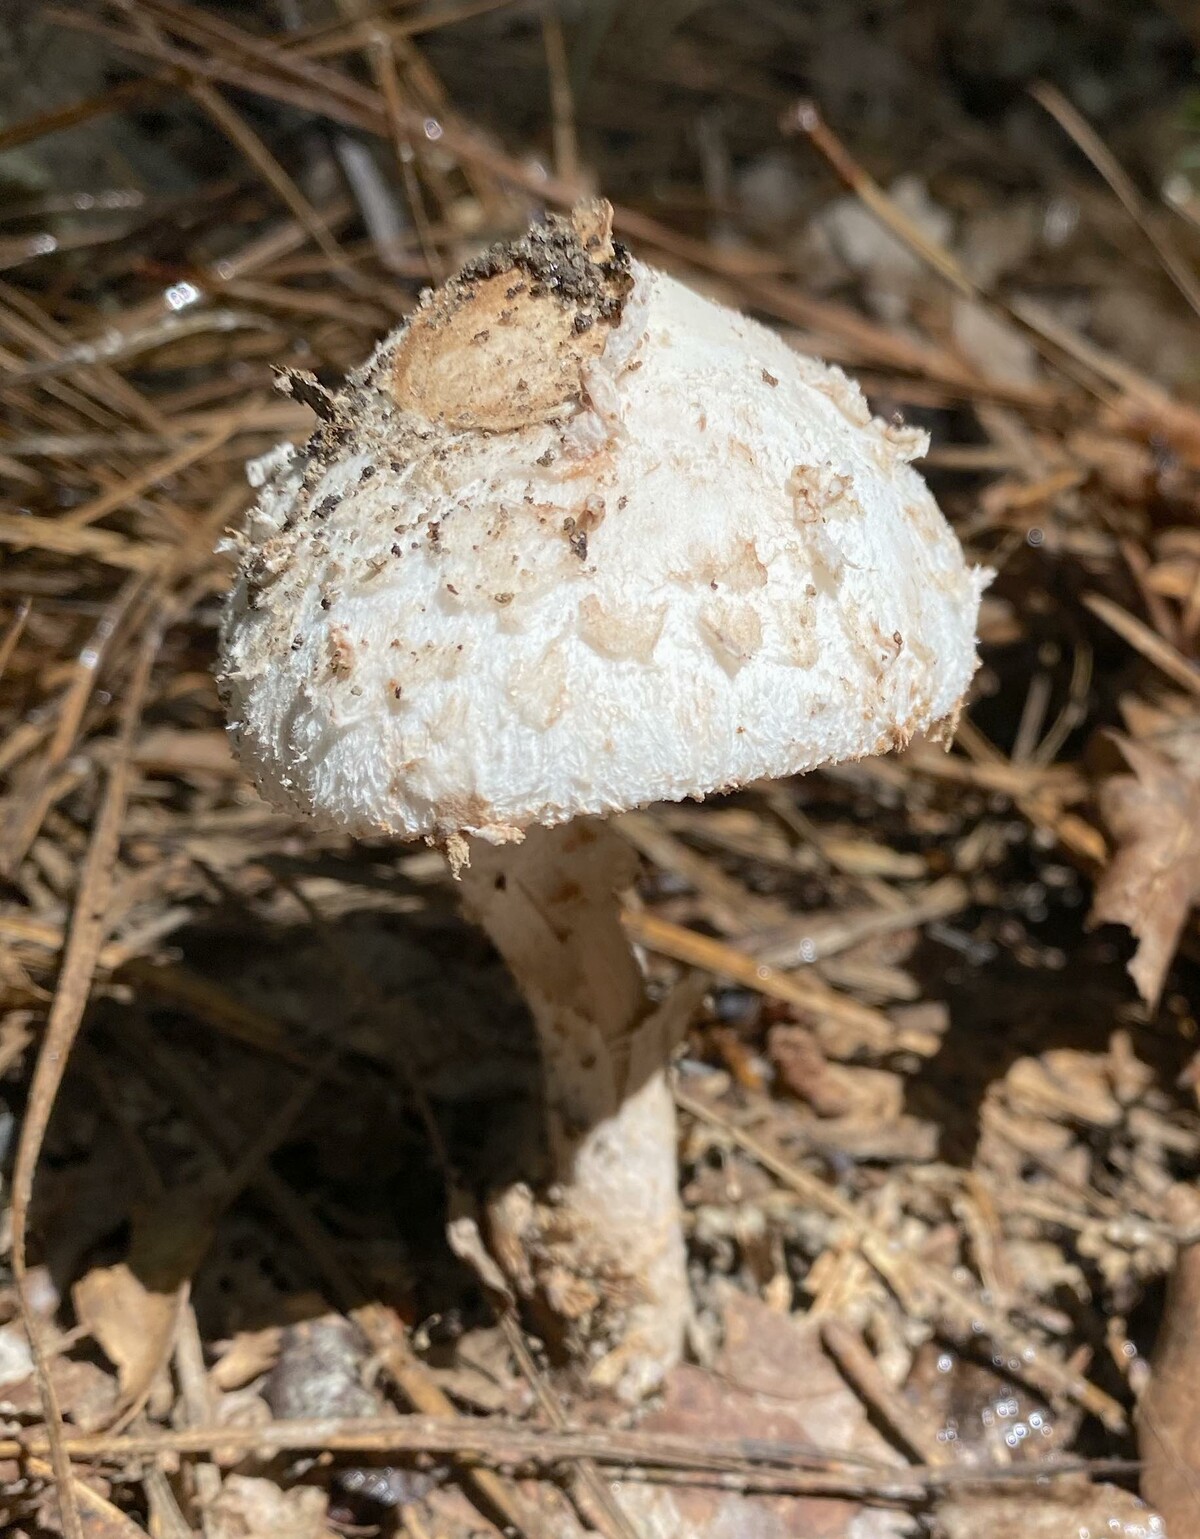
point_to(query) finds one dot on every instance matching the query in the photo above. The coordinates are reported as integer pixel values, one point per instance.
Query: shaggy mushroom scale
(573, 540)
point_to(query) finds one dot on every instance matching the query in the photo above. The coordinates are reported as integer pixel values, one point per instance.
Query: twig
(723, 899)
(66, 1012)
(607, 1512)
(57, 118)
(805, 118)
(104, 1520)
(380, 1325)
(385, 1331)
(13, 632)
(24, 531)
(1089, 141)
(235, 127)
(902, 1419)
(198, 1404)
(965, 1310)
(27, 813)
(562, 98)
(346, 38)
(757, 1462)
(1141, 638)
(802, 990)
(1073, 355)
(382, 53)
(42, 335)
(152, 475)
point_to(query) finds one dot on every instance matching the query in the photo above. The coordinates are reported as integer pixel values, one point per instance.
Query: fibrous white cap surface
(572, 546)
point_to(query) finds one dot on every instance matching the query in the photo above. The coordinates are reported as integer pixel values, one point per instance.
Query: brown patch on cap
(458, 853)
(942, 731)
(504, 343)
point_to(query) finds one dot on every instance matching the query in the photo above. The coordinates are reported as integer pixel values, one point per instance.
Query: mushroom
(573, 540)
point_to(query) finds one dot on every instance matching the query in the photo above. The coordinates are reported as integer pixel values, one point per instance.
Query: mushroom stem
(598, 1252)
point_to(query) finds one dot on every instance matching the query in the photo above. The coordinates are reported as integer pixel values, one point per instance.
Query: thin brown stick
(959, 1306)
(199, 1404)
(902, 1419)
(27, 813)
(382, 54)
(24, 531)
(13, 632)
(385, 1331)
(153, 474)
(58, 118)
(607, 1512)
(1166, 658)
(805, 118)
(28, 323)
(1076, 126)
(562, 98)
(66, 1013)
(1072, 354)
(104, 1520)
(346, 40)
(802, 990)
(207, 29)
(379, 1324)
(239, 132)
(495, 1440)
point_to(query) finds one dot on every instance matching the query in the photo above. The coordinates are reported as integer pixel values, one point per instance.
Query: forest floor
(939, 1121)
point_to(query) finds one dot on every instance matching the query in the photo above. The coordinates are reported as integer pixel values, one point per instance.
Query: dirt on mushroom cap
(681, 557)
(503, 344)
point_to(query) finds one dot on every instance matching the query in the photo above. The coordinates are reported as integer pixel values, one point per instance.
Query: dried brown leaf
(97, 1515)
(257, 1509)
(129, 1322)
(132, 1309)
(772, 1379)
(87, 1393)
(805, 1072)
(1154, 877)
(244, 1357)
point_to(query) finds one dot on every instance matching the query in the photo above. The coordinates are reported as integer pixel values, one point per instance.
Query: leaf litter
(938, 1152)
(1152, 883)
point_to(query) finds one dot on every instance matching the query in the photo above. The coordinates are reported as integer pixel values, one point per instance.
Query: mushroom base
(597, 1253)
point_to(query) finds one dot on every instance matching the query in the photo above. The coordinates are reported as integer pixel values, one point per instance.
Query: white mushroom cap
(576, 539)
